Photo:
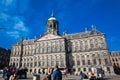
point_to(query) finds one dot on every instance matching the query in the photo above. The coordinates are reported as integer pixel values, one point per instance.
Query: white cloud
(4, 16)
(14, 34)
(8, 2)
(15, 24)
(19, 25)
(18, 5)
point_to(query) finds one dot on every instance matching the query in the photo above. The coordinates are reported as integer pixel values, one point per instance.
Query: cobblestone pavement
(72, 77)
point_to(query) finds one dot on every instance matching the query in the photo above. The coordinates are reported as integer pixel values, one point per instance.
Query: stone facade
(115, 60)
(78, 52)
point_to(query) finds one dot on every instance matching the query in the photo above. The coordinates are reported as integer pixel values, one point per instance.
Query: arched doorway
(34, 70)
(39, 71)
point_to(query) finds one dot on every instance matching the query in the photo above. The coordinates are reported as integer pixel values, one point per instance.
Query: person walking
(81, 75)
(49, 74)
(57, 75)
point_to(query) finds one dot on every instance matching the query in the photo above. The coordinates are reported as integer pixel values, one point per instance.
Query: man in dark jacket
(57, 75)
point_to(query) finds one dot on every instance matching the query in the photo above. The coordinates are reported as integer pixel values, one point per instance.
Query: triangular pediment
(49, 37)
(94, 31)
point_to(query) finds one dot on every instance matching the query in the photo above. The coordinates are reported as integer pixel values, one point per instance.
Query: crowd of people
(12, 73)
(90, 76)
(56, 74)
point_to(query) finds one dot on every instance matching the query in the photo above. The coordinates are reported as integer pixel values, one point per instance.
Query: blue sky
(29, 17)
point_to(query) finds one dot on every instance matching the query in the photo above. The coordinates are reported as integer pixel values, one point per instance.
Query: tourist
(49, 74)
(57, 75)
(81, 75)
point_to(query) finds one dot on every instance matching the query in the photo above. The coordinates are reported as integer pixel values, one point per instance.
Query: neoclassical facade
(78, 52)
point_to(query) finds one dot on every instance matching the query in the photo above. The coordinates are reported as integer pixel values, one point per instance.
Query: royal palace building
(77, 52)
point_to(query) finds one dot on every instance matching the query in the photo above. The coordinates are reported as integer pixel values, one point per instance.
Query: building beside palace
(4, 57)
(115, 60)
(78, 51)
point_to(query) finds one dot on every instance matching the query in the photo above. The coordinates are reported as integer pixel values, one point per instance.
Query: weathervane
(52, 15)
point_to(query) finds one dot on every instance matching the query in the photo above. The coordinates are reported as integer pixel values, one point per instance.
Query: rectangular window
(108, 69)
(35, 64)
(48, 49)
(48, 63)
(94, 62)
(106, 61)
(62, 63)
(78, 62)
(43, 63)
(57, 63)
(27, 64)
(31, 64)
(52, 63)
(92, 46)
(88, 62)
(99, 61)
(83, 62)
(39, 64)
(78, 69)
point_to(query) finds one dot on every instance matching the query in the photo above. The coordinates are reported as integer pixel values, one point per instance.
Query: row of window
(115, 59)
(40, 44)
(50, 49)
(52, 63)
(95, 55)
(58, 43)
(86, 42)
(47, 57)
(115, 54)
(87, 47)
(89, 69)
(42, 50)
(89, 62)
